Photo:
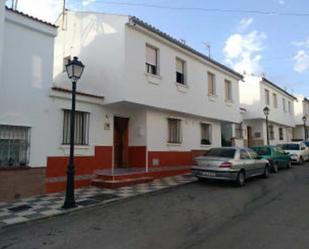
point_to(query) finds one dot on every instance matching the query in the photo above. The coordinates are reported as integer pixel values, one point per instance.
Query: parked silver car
(230, 163)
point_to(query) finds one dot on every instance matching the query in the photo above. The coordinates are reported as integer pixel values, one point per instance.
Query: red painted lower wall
(170, 158)
(137, 156)
(84, 165)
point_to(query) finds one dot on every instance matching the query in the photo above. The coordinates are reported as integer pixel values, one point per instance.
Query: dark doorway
(249, 136)
(121, 142)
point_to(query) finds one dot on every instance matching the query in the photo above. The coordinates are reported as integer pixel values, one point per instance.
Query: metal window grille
(280, 133)
(180, 71)
(205, 134)
(271, 132)
(14, 145)
(81, 135)
(174, 130)
(238, 131)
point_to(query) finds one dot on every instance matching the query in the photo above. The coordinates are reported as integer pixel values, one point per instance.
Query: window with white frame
(205, 134)
(174, 131)
(180, 71)
(151, 60)
(289, 107)
(284, 105)
(271, 133)
(81, 135)
(228, 91)
(14, 145)
(281, 133)
(238, 131)
(211, 79)
(275, 100)
(266, 96)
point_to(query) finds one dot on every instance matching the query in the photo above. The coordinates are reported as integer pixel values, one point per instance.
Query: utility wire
(241, 11)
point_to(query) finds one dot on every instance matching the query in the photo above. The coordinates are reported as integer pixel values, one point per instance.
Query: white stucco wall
(2, 2)
(163, 92)
(252, 97)
(27, 75)
(157, 132)
(98, 40)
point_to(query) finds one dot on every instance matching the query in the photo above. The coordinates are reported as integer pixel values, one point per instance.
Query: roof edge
(279, 88)
(166, 36)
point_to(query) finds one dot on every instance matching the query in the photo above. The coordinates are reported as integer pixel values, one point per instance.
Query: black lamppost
(305, 130)
(74, 70)
(266, 113)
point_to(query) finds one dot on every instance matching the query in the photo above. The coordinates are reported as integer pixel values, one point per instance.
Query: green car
(276, 156)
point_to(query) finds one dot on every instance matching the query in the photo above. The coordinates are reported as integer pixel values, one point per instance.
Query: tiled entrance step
(130, 176)
(118, 183)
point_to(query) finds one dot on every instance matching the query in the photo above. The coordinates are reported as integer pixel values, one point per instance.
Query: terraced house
(301, 110)
(258, 93)
(147, 103)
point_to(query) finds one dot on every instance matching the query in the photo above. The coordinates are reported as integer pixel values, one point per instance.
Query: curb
(104, 204)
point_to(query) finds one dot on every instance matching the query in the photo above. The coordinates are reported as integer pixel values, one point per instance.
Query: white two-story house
(164, 102)
(256, 94)
(26, 74)
(301, 110)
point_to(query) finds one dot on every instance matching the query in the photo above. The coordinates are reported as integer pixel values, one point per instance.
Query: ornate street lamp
(74, 70)
(305, 130)
(266, 113)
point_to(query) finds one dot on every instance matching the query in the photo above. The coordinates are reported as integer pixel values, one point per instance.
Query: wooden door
(121, 142)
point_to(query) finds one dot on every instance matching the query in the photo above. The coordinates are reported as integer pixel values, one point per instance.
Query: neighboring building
(257, 93)
(26, 64)
(163, 103)
(301, 109)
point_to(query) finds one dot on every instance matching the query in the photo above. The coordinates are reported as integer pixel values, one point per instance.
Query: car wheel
(266, 172)
(241, 179)
(289, 165)
(275, 168)
(301, 161)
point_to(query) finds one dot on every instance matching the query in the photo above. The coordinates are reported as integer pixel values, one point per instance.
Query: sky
(272, 44)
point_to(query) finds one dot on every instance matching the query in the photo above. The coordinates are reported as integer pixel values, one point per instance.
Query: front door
(121, 142)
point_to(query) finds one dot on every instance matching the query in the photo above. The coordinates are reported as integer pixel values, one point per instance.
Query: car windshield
(262, 151)
(307, 143)
(229, 153)
(290, 146)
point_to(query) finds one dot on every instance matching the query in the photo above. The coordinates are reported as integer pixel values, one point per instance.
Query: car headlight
(293, 155)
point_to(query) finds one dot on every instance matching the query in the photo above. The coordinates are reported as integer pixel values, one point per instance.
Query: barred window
(174, 131)
(14, 145)
(81, 135)
(271, 133)
(238, 131)
(280, 133)
(205, 134)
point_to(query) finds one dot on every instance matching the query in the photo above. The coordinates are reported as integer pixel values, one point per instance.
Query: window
(238, 131)
(205, 134)
(221, 152)
(174, 131)
(14, 145)
(252, 154)
(211, 83)
(228, 90)
(180, 71)
(275, 100)
(280, 133)
(289, 107)
(267, 97)
(284, 105)
(244, 154)
(151, 60)
(271, 132)
(65, 62)
(81, 135)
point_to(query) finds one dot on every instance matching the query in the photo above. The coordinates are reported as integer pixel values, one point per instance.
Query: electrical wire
(240, 11)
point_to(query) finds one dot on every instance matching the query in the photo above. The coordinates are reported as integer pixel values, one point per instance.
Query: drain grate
(19, 208)
(86, 202)
(104, 197)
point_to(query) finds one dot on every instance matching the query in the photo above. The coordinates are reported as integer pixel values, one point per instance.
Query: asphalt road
(267, 213)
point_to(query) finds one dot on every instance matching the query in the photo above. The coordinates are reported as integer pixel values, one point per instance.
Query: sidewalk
(43, 206)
